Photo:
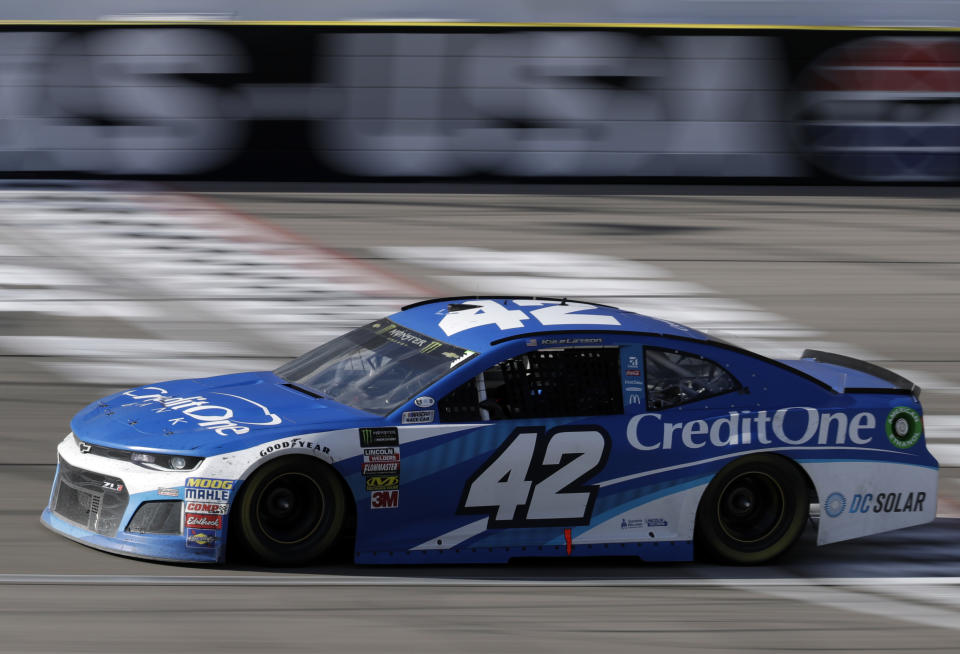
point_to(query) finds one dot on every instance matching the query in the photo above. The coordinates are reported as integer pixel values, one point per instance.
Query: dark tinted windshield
(375, 368)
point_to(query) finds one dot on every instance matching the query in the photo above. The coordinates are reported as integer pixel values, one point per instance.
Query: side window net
(542, 384)
(674, 378)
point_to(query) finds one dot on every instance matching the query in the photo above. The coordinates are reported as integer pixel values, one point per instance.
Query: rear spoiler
(902, 384)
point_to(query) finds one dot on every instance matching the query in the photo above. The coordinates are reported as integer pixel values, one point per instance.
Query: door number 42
(538, 479)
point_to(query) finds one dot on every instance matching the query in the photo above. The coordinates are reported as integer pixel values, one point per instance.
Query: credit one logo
(789, 426)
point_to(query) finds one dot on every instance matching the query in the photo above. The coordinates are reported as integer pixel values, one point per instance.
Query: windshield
(375, 368)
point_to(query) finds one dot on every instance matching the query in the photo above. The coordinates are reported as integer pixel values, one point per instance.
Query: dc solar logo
(883, 109)
(835, 504)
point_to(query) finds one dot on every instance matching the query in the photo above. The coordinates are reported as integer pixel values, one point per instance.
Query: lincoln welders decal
(220, 419)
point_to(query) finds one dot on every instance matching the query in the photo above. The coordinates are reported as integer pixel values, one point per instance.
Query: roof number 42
(490, 312)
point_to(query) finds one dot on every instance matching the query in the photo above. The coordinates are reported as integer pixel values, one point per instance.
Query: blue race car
(482, 429)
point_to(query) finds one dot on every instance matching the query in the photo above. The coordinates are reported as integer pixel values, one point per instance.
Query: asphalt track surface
(867, 272)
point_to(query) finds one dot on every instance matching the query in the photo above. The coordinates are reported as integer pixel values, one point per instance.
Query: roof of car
(476, 323)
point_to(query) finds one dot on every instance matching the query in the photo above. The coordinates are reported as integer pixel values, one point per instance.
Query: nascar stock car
(483, 429)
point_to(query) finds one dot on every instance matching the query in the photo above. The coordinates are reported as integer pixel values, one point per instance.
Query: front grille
(160, 517)
(89, 499)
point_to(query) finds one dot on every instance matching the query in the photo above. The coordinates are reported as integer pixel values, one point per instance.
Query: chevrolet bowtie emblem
(84, 447)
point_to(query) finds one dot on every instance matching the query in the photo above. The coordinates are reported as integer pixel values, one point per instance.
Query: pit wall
(310, 101)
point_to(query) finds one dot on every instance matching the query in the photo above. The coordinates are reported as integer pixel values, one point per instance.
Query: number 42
(537, 479)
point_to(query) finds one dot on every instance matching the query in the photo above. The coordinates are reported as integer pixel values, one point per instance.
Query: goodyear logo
(385, 482)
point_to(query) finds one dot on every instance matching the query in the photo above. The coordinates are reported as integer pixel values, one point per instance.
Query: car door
(520, 440)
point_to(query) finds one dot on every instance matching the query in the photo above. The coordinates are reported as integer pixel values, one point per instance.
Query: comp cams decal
(222, 420)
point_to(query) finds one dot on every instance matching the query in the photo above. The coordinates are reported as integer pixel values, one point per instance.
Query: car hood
(201, 417)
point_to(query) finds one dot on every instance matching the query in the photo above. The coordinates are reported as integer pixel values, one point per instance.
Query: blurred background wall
(220, 95)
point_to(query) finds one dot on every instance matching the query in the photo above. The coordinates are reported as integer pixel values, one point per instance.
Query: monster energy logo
(430, 347)
(374, 436)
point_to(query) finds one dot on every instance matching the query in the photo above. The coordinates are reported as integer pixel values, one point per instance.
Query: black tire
(753, 511)
(290, 511)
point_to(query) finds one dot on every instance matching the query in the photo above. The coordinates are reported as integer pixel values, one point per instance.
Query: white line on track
(873, 602)
(354, 580)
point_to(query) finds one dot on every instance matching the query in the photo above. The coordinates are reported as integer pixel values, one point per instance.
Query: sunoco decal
(205, 538)
(222, 420)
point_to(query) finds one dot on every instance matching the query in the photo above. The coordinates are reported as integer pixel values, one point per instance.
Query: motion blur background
(190, 189)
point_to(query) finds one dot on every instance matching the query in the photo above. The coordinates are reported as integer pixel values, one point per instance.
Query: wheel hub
(751, 507)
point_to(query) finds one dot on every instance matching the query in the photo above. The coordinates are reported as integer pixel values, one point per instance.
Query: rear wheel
(290, 511)
(752, 511)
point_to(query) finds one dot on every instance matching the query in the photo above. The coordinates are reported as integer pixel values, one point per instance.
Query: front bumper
(94, 499)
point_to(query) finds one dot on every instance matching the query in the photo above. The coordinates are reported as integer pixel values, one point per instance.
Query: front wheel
(290, 511)
(752, 511)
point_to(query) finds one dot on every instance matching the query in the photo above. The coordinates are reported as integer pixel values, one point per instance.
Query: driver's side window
(674, 378)
(550, 383)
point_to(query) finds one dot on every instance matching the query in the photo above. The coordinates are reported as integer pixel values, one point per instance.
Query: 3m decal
(385, 499)
(903, 427)
(211, 490)
(538, 479)
(790, 426)
(203, 521)
(373, 436)
(205, 538)
(490, 312)
(417, 417)
(389, 482)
